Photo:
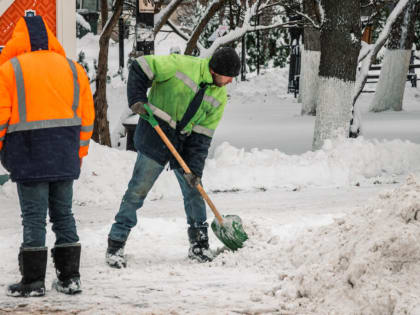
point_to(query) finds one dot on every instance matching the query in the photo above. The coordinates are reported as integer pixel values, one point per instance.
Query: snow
(332, 231)
(81, 20)
(367, 260)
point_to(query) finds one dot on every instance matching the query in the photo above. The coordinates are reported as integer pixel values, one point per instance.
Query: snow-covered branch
(163, 16)
(246, 27)
(307, 17)
(211, 10)
(232, 35)
(275, 25)
(106, 26)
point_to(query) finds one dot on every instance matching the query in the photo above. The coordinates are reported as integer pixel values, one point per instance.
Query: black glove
(192, 179)
(138, 108)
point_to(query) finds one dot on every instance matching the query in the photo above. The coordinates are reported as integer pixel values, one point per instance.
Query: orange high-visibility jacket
(46, 105)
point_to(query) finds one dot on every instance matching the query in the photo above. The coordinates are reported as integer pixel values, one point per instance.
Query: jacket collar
(205, 72)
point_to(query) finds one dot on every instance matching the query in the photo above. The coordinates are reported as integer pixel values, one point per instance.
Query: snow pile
(338, 163)
(367, 262)
(106, 172)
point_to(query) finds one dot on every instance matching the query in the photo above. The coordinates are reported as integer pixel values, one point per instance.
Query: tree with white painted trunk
(367, 55)
(390, 89)
(340, 46)
(311, 55)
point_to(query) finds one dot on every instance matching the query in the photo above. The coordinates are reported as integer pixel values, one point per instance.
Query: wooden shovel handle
(188, 171)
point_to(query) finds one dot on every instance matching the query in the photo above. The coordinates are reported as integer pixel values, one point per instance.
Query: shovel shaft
(188, 171)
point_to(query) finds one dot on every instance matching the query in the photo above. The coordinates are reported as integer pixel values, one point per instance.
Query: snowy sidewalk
(159, 278)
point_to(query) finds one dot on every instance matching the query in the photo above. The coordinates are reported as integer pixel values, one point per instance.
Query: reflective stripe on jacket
(46, 106)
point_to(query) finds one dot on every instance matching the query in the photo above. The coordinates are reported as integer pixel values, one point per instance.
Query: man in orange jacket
(46, 121)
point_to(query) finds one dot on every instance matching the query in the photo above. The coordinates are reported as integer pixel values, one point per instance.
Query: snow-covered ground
(330, 232)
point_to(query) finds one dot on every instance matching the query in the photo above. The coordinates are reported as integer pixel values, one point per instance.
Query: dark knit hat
(225, 61)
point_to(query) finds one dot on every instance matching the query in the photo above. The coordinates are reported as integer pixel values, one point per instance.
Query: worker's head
(224, 66)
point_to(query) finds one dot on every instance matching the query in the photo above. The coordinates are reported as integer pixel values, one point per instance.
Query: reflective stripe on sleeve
(4, 126)
(203, 130)
(20, 86)
(2, 138)
(76, 87)
(162, 115)
(84, 143)
(87, 128)
(146, 68)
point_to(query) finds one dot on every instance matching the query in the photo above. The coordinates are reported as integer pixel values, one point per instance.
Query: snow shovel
(228, 229)
(3, 179)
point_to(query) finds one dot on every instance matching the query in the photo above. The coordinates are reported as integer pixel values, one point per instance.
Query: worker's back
(46, 107)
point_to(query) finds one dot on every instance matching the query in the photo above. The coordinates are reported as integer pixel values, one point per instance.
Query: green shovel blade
(231, 233)
(3, 179)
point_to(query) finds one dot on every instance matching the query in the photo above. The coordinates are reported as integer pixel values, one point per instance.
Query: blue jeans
(145, 173)
(35, 199)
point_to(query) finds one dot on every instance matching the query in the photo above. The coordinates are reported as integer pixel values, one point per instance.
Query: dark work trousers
(35, 199)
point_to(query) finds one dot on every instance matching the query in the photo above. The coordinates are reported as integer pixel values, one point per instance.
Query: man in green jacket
(187, 97)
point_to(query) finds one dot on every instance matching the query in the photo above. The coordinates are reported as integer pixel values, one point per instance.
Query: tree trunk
(340, 46)
(192, 43)
(104, 13)
(101, 127)
(390, 89)
(311, 55)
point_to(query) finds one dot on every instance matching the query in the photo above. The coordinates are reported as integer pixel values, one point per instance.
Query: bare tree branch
(270, 5)
(298, 12)
(177, 30)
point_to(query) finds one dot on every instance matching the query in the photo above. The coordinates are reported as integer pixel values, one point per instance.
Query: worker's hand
(138, 108)
(81, 162)
(192, 179)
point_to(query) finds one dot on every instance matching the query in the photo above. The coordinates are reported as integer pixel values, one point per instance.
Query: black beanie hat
(225, 61)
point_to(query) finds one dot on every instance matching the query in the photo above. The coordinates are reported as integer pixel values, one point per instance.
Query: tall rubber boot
(32, 266)
(67, 261)
(199, 245)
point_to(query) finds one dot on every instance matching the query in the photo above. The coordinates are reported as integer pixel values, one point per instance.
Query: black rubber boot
(199, 245)
(114, 256)
(32, 266)
(67, 262)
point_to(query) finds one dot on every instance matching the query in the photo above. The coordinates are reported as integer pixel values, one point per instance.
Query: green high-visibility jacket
(175, 81)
